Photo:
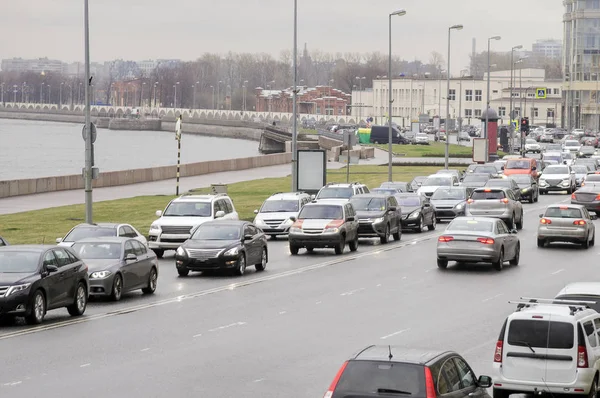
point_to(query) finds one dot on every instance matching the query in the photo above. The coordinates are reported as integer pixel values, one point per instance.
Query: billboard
(480, 150)
(311, 170)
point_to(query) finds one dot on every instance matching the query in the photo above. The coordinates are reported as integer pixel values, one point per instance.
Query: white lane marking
(318, 302)
(85, 365)
(258, 380)
(145, 349)
(491, 298)
(478, 347)
(558, 272)
(403, 277)
(282, 312)
(431, 269)
(379, 285)
(351, 292)
(197, 335)
(394, 334)
(227, 326)
(13, 383)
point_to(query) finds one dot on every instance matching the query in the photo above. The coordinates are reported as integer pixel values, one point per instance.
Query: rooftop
(399, 354)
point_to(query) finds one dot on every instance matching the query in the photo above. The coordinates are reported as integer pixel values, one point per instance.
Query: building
(39, 65)
(320, 100)
(581, 64)
(548, 48)
(413, 97)
(147, 66)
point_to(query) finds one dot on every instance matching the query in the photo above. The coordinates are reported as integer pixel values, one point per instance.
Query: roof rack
(574, 305)
(203, 194)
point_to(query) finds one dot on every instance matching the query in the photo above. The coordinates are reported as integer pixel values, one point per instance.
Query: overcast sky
(184, 29)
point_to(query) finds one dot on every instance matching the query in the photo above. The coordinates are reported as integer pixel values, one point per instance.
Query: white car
(572, 146)
(182, 215)
(84, 231)
(274, 216)
(436, 181)
(548, 347)
(422, 139)
(558, 178)
(532, 146)
(341, 192)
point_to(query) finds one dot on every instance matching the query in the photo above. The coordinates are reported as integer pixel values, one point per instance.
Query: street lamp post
(510, 112)
(487, 101)
(15, 93)
(60, 95)
(245, 105)
(23, 87)
(391, 99)
(155, 84)
(460, 119)
(42, 93)
(175, 95)
(195, 86)
(49, 93)
(218, 92)
(213, 97)
(294, 103)
(89, 144)
(447, 157)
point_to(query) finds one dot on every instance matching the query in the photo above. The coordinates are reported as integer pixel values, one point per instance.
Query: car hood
(430, 188)
(524, 185)
(447, 202)
(101, 264)
(407, 210)
(533, 145)
(280, 215)
(66, 244)
(181, 221)
(473, 184)
(316, 223)
(9, 278)
(209, 244)
(369, 214)
(555, 176)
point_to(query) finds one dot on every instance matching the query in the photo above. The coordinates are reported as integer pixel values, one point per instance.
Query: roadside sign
(540, 93)
(424, 118)
(480, 150)
(84, 132)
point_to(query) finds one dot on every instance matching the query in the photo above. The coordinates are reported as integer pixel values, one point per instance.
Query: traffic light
(525, 125)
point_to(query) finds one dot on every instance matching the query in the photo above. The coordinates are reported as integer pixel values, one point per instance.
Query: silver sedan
(478, 239)
(497, 203)
(567, 223)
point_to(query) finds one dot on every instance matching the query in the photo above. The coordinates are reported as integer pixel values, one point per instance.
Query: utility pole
(89, 161)
(178, 138)
(295, 105)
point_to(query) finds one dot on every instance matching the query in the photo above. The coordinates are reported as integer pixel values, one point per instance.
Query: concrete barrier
(134, 124)
(125, 177)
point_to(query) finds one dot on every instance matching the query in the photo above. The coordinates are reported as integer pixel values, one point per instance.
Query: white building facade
(413, 97)
(548, 48)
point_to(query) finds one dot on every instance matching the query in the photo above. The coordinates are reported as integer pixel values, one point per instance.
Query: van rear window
(541, 334)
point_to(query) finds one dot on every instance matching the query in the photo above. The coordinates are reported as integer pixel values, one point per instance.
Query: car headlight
(542, 182)
(181, 252)
(524, 190)
(378, 220)
(259, 221)
(234, 251)
(459, 206)
(17, 288)
(100, 274)
(295, 230)
(331, 230)
(287, 222)
(566, 182)
(155, 228)
(415, 214)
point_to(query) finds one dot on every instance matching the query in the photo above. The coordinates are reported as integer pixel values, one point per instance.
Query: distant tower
(473, 56)
(305, 53)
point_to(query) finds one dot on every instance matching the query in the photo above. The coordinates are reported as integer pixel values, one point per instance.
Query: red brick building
(320, 100)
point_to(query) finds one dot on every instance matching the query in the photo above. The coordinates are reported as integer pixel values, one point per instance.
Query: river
(32, 149)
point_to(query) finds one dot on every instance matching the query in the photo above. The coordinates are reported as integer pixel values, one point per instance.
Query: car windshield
(368, 204)
(399, 186)
(217, 232)
(556, 170)
(499, 165)
(189, 209)
(283, 206)
(571, 143)
(476, 178)
(518, 165)
(485, 169)
(470, 225)
(388, 191)
(19, 261)
(372, 378)
(449, 194)
(592, 177)
(317, 212)
(553, 147)
(488, 194)
(521, 178)
(562, 212)
(85, 232)
(587, 149)
(408, 201)
(96, 250)
(580, 169)
(335, 193)
(437, 182)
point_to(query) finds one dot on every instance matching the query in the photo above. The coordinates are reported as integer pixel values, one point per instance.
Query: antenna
(390, 351)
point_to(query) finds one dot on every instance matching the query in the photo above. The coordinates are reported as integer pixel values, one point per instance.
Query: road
(283, 332)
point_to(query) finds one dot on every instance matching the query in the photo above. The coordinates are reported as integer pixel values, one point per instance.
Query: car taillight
(335, 224)
(445, 238)
(504, 200)
(335, 381)
(429, 386)
(470, 201)
(579, 222)
(597, 197)
(487, 241)
(545, 221)
(498, 352)
(582, 359)
(575, 197)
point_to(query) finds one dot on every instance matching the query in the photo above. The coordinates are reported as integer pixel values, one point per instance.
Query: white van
(548, 346)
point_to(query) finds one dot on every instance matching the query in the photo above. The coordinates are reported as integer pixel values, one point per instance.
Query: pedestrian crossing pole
(178, 138)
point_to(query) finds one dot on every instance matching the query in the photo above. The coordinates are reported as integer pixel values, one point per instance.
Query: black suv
(398, 371)
(37, 278)
(378, 215)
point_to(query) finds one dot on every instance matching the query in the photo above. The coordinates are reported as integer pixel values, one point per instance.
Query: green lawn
(433, 150)
(46, 225)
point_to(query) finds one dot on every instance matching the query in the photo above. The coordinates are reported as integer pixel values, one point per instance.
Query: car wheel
(515, 261)
(294, 250)
(593, 241)
(586, 243)
(339, 249)
(398, 235)
(593, 389)
(159, 252)
(537, 196)
(117, 288)
(354, 244)
(520, 223)
(438, 220)
(80, 302)
(310, 249)
(152, 282)
(263, 261)
(37, 309)
(241, 265)
(183, 272)
(433, 224)
(498, 265)
(386, 235)
(500, 393)
(540, 242)
(421, 226)
(443, 264)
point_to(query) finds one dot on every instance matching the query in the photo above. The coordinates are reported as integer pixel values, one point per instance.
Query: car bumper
(369, 229)
(102, 287)
(468, 255)
(15, 304)
(582, 382)
(228, 262)
(591, 206)
(503, 214)
(554, 188)
(275, 231)
(316, 241)
(411, 223)
(169, 242)
(562, 234)
(449, 213)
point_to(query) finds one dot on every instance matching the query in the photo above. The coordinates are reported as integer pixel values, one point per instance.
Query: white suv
(341, 193)
(274, 214)
(548, 346)
(182, 215)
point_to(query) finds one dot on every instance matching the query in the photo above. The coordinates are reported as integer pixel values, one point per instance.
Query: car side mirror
(541, 215)
(593, 215)
(220, 214)
(351, 218)
(513, 231)
(484, 381)
(158, 213)
(293, 218)
(502, 168)
(572, 172)
(393, 208)
(51, 268)
(455, 184)
(58, 240)
(256, 211)
(533, 168)
(130, 257)
(248, 237)
(313, 197)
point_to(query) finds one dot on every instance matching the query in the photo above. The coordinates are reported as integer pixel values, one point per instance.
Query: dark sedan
(223, 245)
(399, 185)
(35, 279)
(449, 202)
(507, 183)
(528, 186)
(588, 196)
(378, 216)
(3, 242)
(118, 265)
(417, 212)
(475, 180)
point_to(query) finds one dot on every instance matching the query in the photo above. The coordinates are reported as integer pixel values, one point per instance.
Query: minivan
(380, 135)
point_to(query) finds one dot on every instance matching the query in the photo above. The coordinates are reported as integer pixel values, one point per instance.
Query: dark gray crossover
(378, 216)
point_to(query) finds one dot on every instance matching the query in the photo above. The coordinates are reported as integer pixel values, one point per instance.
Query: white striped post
(178, 138)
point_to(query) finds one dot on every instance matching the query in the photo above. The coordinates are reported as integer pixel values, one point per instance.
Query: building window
(495, 91)
(550, 112)
(517, 113)
(530, 95)
(468, 113)
(469, 95)
(534, 111)
(318, 110)
(477, 95)
(477, 112)
(502, 111)
(452, 95)
(556, 91)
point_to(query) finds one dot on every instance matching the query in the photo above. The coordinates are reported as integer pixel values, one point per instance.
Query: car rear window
(367, 377)
(558, 212)
(460, 224)
(541, 334)
(595, 307)
(488, 194)
(593, 177)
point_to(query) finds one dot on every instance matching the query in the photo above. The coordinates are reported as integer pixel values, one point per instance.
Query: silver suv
(341, 192)
(274, 214)
(324, 225)
(497, 203)
(182, 215)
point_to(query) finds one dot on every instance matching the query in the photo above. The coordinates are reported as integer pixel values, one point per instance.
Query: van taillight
(504, 200)
(498, 352)
(582, 359)
(335, 381)
(573, 196)
(429, 386)
(469, 201)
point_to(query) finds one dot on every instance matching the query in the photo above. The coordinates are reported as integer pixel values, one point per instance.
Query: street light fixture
(447, 157)
(487, 101)
(398, 13)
